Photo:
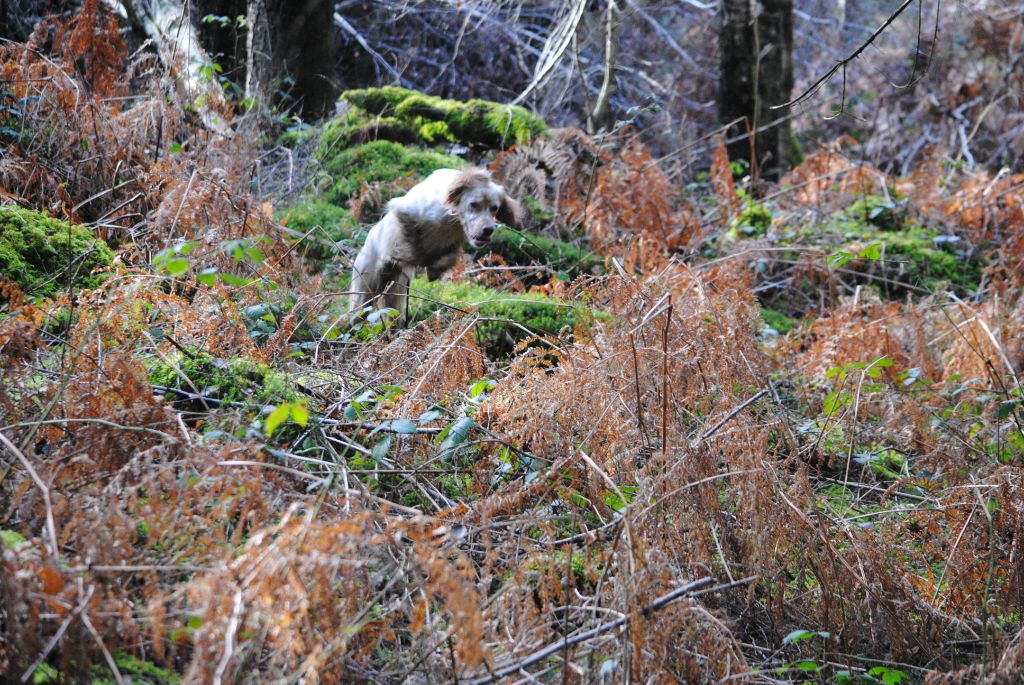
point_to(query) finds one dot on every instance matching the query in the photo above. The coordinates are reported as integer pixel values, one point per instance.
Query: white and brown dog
(426, 229)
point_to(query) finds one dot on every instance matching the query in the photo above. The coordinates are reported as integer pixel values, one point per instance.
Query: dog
(426, 229)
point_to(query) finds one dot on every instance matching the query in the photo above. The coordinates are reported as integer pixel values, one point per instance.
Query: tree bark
(601, 116)
(756, 74)
(304, 42)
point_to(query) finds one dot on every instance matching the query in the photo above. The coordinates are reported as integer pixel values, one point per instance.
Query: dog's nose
(488, 230)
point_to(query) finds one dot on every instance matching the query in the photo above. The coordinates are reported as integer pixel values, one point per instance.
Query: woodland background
(740, 401)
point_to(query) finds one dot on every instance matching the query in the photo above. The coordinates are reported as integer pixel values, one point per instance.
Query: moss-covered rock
(382, 160)
(43, 255)
(509, 317)
(393, 113)
(547, 254)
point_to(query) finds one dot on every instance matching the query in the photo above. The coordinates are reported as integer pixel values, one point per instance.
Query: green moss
(235, 380)
(356, 128)
(378, 100)
(397, 112)
(380, 160)
(911, 256)
(12, 539)
(321, 221)
(425, 107)
(522, 249)
(755, 220)
(492, 125)
(43, 255)
(778, 321)
(908, 255)
(499, 334)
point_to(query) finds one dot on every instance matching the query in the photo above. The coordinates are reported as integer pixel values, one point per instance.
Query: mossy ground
(506, 318)
(43, 255)
(242, 388)
(547, 254)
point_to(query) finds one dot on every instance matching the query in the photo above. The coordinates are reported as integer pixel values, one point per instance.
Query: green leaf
(872, 251)
(457, 433)
(890, 676)
(175, 148)
(1004, 409)
(430, 415)
(233, 280)
(381, 449)
(480, 387)
(836, 400)
(404, 426)
(174, 266)
(801, 635)
(280, 414)
(207, 276)
(255, 254)
(808, 666)
(300, 414)
(839, 258)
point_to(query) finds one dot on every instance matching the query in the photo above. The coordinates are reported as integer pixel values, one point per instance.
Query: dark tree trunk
(303, 38)
(755, 74)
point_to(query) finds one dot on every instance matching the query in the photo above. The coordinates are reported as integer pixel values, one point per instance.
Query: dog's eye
(474, 206)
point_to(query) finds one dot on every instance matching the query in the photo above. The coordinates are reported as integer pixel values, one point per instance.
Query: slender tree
(756, 74)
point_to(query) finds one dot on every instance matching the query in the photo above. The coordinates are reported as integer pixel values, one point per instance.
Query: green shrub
(886, 213)
(498, 335)
(754, 220)
(43, 255)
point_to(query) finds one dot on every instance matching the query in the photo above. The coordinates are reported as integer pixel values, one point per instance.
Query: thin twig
(714, 429)
(841, 64)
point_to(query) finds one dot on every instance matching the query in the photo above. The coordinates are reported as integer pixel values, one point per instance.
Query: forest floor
(728, 431)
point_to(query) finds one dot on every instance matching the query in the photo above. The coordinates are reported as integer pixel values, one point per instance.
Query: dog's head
(480, 203)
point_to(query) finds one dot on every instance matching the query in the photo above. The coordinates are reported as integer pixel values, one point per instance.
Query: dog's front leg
(396, 295)
(436, 269)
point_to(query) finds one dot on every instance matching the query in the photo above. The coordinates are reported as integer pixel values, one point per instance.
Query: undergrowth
(204, 480)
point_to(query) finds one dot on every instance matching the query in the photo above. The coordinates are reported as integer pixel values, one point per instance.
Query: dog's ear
(462, 184)
(510, 212)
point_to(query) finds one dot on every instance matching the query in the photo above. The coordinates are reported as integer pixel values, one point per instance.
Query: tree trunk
(304, 42)
(601, 116)
(756, 74)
